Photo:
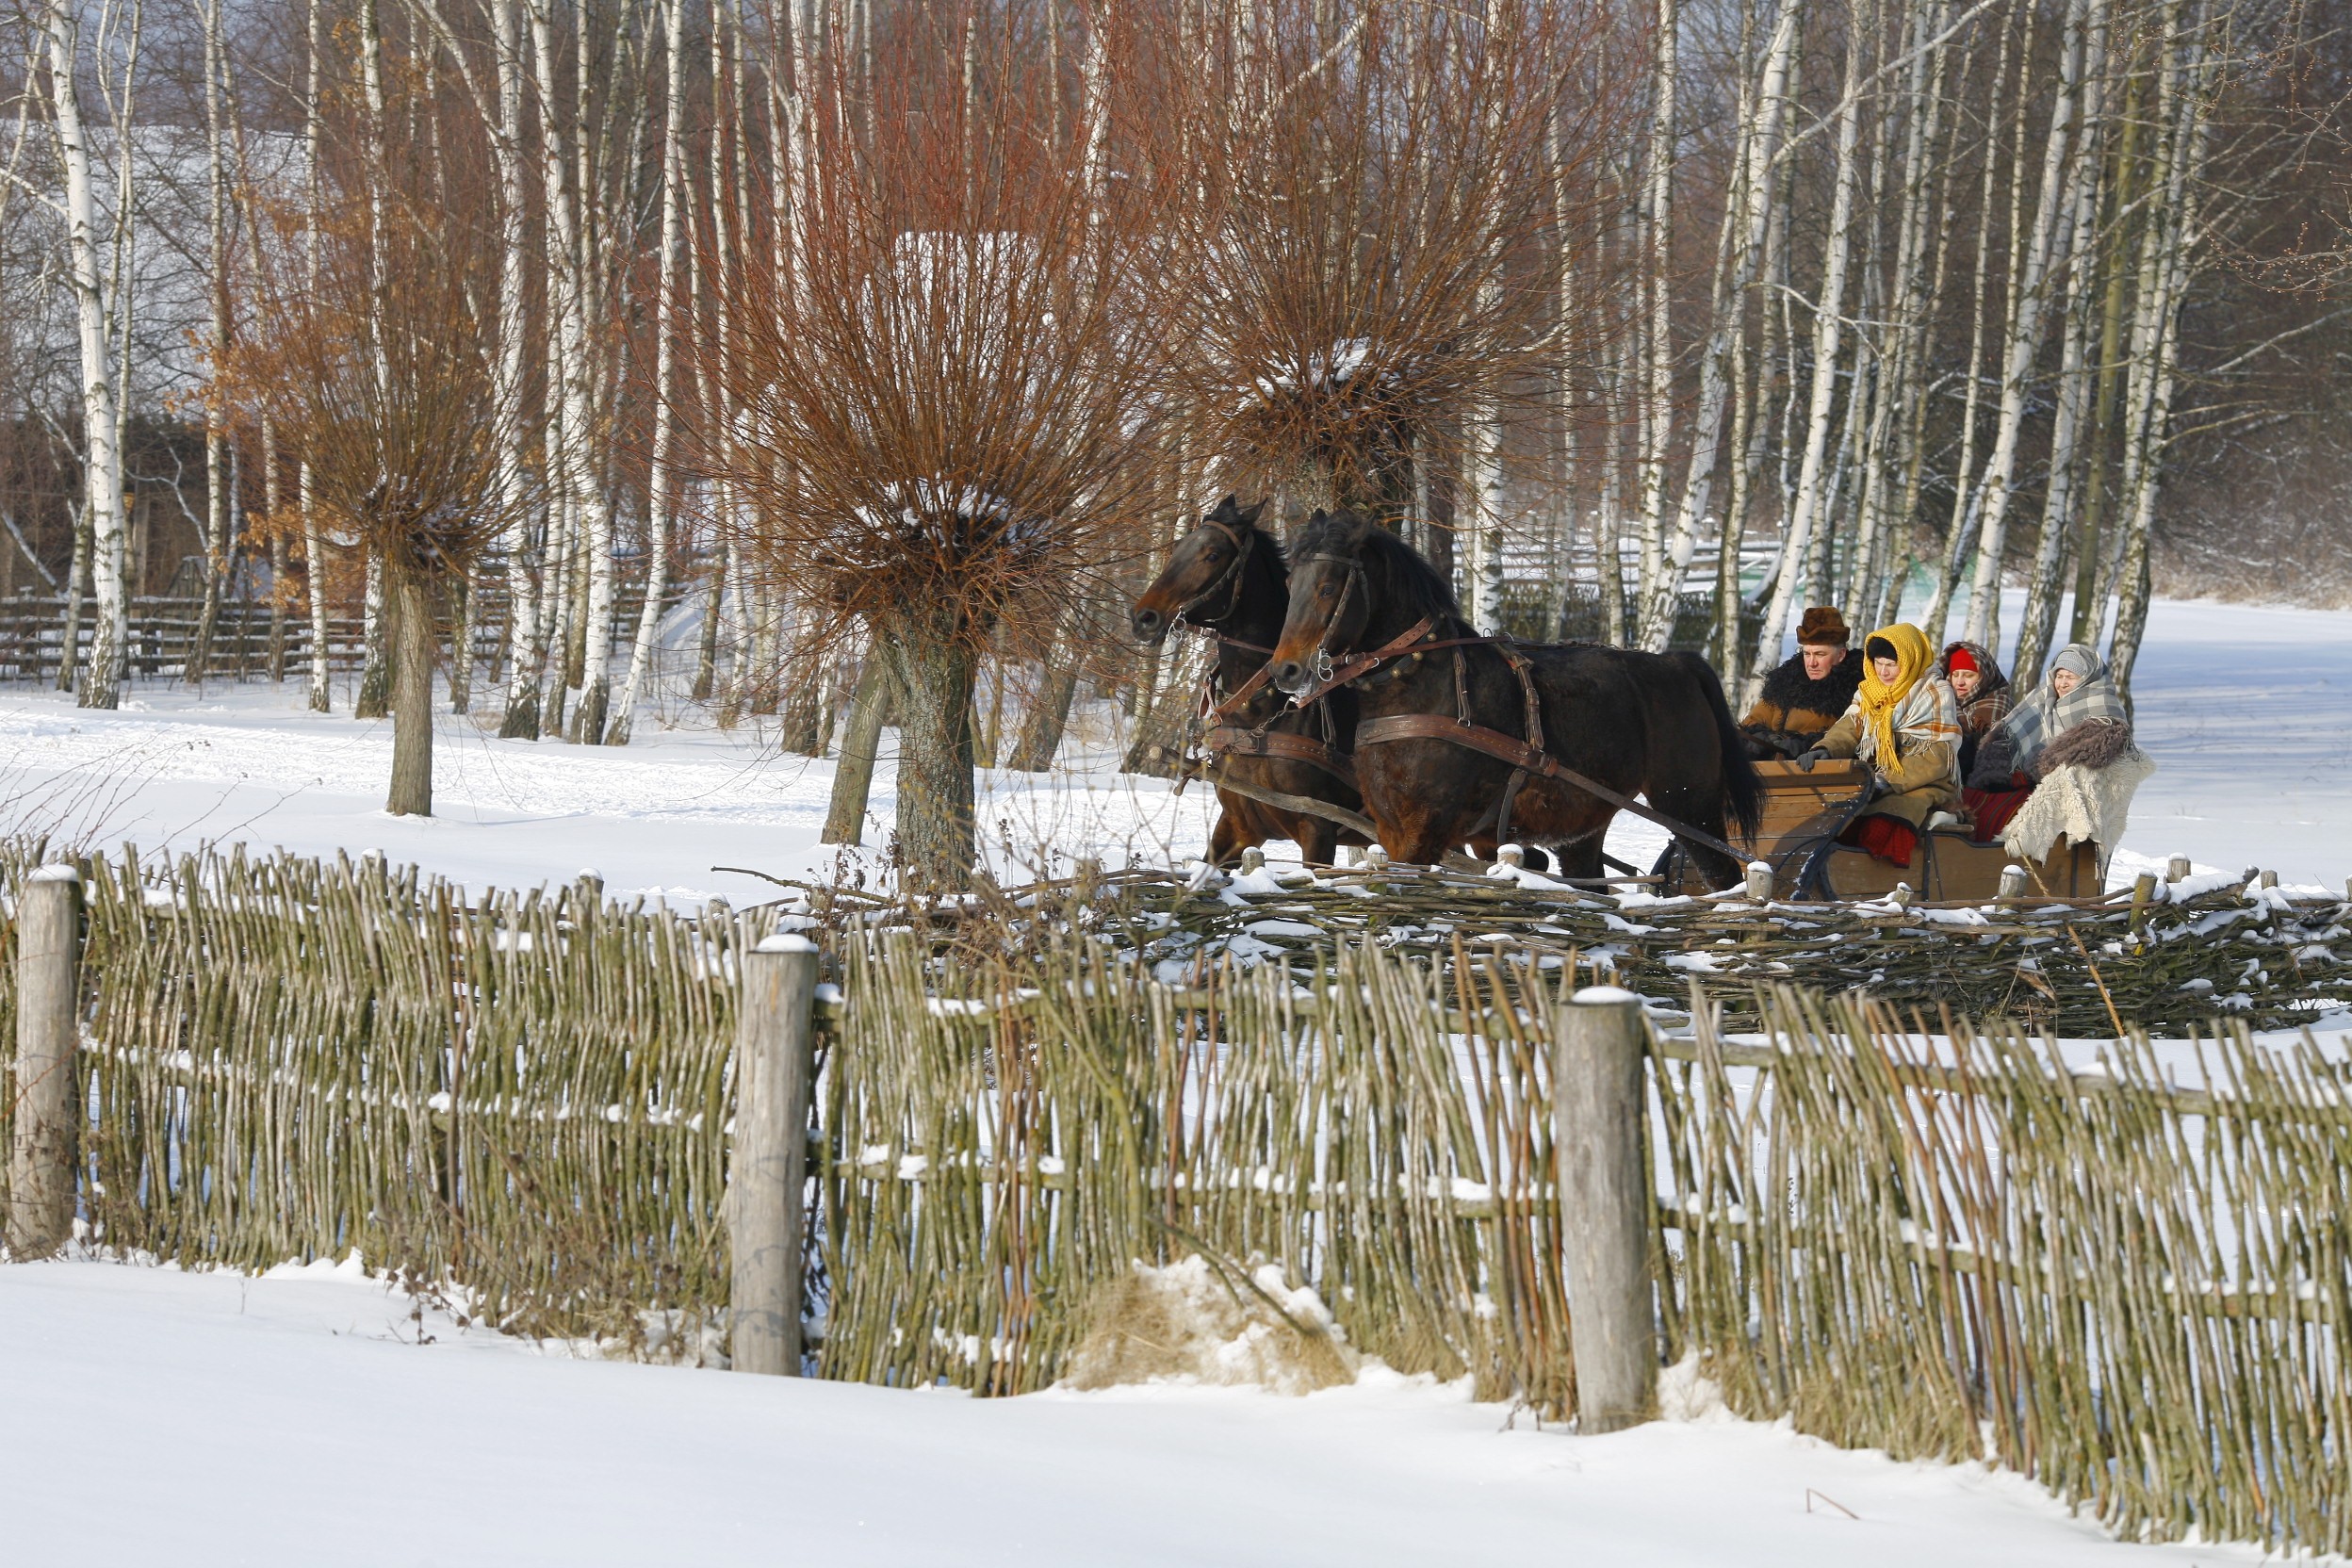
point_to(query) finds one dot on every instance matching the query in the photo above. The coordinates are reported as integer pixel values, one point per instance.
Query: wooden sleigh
(1803, 813)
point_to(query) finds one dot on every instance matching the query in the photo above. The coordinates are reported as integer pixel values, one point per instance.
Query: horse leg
(1318, 841)
(1705, 813)
(1580, 856)
(1419, 840)
(1227, 840)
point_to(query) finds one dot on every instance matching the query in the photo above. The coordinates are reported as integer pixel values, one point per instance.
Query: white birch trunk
(102, 494)
(1828, 323)
(658, 506)
(574, 459)
(523, 590)
(314, 541)
(1744, 215)
(2174, 233)
(1963, 537)
(2031, 291)
(1657, 396)
(2074, 371)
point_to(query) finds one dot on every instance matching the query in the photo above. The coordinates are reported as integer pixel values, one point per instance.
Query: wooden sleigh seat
(1803, 811)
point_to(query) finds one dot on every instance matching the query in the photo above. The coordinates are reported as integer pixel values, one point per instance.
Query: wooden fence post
(768, 1164)
(1599, 1110)
(48, 1031)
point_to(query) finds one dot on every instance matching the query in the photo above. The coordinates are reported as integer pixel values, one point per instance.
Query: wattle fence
(2124, 1270)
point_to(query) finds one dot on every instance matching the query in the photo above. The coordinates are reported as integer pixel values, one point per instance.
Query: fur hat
(1823, 626)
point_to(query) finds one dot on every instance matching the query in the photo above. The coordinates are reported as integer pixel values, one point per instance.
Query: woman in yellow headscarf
(1904, 722)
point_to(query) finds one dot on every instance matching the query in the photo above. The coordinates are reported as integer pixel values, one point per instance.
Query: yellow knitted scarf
(1880, 700)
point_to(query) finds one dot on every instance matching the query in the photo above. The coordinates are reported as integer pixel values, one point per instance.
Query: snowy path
(155, 1416)
(2247, 712)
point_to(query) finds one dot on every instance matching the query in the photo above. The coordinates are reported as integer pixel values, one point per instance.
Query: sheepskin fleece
(2086, 805)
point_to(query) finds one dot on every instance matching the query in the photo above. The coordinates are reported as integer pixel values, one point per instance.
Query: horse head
(1206, 573)
(1353, 584)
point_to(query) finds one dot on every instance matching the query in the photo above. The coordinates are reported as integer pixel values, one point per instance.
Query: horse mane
(1268, 551)
(1406, 572)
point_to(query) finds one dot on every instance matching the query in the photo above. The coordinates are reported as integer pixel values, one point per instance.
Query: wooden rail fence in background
(163, 634)
(1964, 1245)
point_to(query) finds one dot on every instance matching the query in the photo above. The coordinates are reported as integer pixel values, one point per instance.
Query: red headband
(1961, 659)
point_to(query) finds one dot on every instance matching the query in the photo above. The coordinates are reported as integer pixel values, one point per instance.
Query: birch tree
(93, 276)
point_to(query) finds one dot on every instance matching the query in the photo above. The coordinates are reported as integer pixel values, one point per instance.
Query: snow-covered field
(306, 1417)
(2247, 712)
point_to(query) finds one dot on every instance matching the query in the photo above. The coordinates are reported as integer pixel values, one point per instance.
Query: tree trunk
(1828, 323)
(216, 436)
(466, 602)
(1740, 244)
(101, 686)
(408, 603)
(2030, 290)
(853, 779)
(658, 504)
(279, 561)
(706, 645)
(1049, 708)
(1658, 362)
(1961, 537)
(76, 590)
(521, 719)
(934, 667)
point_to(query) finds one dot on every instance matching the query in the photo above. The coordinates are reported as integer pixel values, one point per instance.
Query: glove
(1804, 760)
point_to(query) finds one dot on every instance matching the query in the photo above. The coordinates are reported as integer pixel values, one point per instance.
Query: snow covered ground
(2247, 710)
(306, 1417)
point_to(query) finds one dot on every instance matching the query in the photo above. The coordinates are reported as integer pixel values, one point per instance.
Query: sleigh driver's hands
(1804, 760)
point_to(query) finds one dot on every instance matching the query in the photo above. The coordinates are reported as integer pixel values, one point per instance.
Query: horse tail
(1743, 792)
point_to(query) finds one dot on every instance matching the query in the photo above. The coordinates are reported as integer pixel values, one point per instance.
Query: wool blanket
(2086, 805)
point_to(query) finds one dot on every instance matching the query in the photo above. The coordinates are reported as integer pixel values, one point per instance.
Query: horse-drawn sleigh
(1349, 702)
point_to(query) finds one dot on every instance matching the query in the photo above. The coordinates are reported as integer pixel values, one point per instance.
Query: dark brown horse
(1228, 576)
(1439, 711)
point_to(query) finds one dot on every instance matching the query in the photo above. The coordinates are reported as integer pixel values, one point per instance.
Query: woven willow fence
(525, 1098)
(1956, 1244)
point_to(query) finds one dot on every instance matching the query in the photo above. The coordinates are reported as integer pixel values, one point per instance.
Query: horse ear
(1249, 515)
(1320, 516)
(1359, 527)
(1224, 508)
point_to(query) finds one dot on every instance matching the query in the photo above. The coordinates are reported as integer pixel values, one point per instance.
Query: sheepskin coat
(1796, 711)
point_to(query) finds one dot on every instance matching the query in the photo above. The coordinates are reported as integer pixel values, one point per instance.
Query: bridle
(1230, 580)
(1320, 669)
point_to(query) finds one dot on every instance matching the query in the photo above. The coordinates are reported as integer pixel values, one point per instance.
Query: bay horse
(1228, 576)
(1461, 738)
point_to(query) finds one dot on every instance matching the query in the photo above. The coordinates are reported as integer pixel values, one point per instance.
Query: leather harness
(1527, 756)
(1226, 737)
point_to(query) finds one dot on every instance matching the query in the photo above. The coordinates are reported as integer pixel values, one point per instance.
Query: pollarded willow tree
(374, 367)
(1386, 199)
(944, 382)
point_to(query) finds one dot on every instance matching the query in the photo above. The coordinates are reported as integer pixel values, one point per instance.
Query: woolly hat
(1823, 626)
(1959, 658)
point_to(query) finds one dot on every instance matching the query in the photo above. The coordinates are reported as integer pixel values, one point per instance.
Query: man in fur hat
(1805, 695)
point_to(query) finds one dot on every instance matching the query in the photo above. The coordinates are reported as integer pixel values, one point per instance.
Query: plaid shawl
(1917, 710)
(2044, 716)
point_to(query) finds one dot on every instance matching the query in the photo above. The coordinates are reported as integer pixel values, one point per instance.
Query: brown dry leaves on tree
(946, 381)
(943, 376)
(366, 342)
(1387, 200)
